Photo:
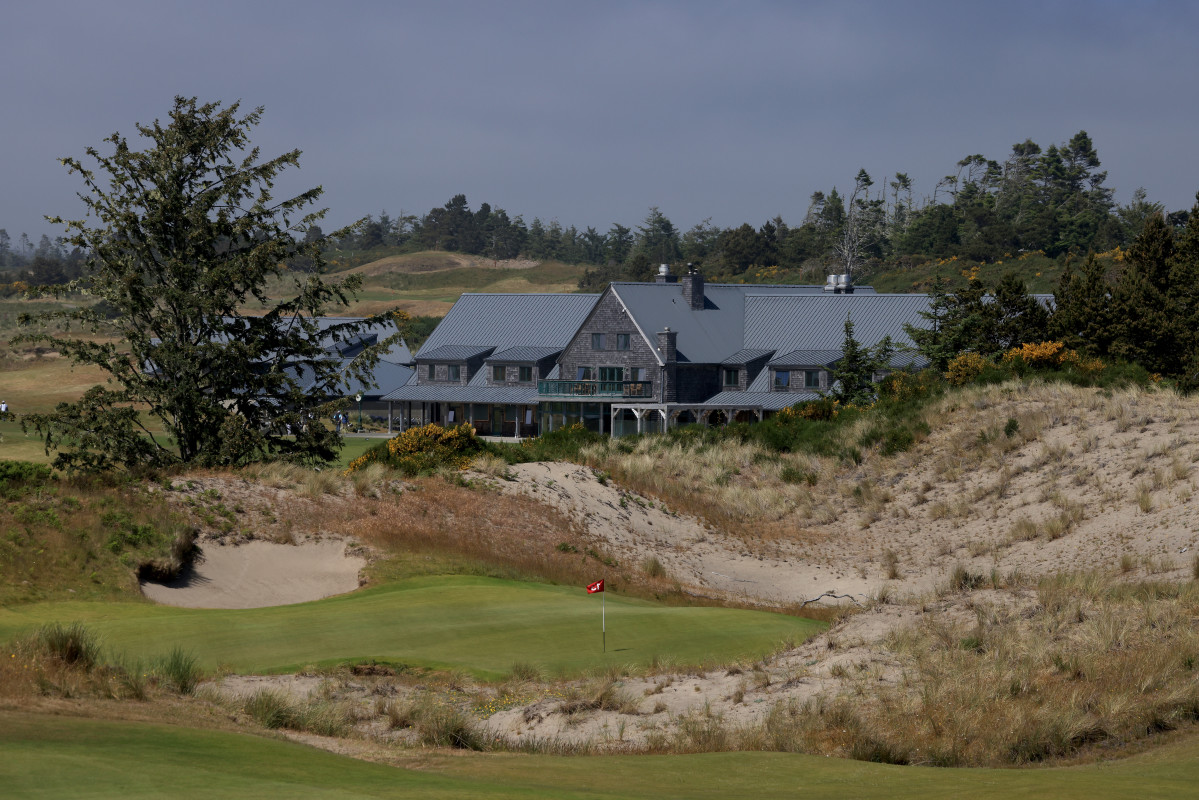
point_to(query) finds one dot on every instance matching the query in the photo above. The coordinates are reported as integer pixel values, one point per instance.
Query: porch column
(389, 403)
(612, 421)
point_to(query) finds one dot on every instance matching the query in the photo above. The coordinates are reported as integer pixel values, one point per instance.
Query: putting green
(53, 756)
(483, 625)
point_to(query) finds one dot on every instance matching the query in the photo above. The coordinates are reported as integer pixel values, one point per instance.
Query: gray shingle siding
(610, 318)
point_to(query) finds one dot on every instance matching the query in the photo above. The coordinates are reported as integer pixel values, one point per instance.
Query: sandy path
(256, 574)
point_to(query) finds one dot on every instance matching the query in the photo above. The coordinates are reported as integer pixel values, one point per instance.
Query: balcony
(613, 389)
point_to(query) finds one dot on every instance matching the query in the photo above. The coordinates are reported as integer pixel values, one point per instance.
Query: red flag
(592, 588)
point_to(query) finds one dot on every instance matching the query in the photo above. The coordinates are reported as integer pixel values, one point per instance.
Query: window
(637, 374)
(811, 379)
(432, 372)
(611, 374)
(497, 373)
(597, 341)
(782, 379)
(622, 341)
(731, 377)
(586, 374)
(455, 372)
(526, 374)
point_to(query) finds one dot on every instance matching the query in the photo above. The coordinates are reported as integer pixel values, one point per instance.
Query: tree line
(1053, 201)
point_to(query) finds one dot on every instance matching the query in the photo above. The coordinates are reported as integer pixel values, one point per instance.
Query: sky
(591, 113)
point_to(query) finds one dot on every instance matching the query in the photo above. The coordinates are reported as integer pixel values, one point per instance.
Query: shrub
(13, 473)
(270, 708)
(424, 450)
(965, 368)
(653, 567)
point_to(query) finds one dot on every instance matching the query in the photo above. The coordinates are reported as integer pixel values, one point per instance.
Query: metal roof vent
(831, 284)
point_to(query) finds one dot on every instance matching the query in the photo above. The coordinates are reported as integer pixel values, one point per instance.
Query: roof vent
(664, 275)
(831, 284)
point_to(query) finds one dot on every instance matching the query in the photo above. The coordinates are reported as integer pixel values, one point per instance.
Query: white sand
(256, 574)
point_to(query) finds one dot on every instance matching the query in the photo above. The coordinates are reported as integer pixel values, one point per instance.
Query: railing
(595, 388)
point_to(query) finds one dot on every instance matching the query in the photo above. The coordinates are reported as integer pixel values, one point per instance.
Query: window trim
(811, 379)
(524, 375)
(499, 373)
(600, 340)
(624, 341)
(454, 372)
(782, 379)
(735, 374)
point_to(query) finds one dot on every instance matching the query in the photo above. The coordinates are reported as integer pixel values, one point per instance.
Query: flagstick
(604, 618)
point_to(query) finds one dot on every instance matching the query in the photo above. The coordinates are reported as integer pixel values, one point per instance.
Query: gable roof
(504, 321)
(807, 358)
(713, 333)
(452, 352)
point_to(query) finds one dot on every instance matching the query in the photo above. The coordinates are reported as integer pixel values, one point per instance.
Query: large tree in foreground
(180, 237)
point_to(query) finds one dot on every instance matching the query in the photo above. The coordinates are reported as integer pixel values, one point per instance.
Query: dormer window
(455, 372)
(432, 372)
(497, 373)
(526, 374)
(730, 378)
(782, 379)
(811, 379)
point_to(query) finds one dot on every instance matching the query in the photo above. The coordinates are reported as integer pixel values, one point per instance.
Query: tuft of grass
(180, 670)
(890, 564)
(653, 567)
(524, 671)
(74, 645)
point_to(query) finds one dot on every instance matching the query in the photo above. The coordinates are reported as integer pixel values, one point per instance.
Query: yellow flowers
(1051, 355)
(965, 368)
(422, 448)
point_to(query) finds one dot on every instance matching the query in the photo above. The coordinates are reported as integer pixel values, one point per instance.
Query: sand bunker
(258, 574)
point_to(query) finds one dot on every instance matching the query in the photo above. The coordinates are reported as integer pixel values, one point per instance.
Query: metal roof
(526, 354)
(452, 352)
(818, 322)
(767, 401)
(718, 330)
(807, 358)
(471, 393)
(504, 321)
(746, 356)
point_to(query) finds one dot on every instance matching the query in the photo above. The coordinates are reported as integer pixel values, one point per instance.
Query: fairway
(482, 625)
(52, 756)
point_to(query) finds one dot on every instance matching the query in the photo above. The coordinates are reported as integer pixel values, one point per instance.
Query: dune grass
(54, 756)
(481, 625)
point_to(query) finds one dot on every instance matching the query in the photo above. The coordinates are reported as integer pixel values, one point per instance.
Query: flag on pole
(592, 588)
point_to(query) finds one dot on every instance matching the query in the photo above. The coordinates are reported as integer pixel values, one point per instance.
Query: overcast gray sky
(593, 112)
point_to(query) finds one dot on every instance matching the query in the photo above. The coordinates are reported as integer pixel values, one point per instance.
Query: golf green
(482, 625)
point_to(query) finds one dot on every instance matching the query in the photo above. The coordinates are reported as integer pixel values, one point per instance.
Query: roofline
(653, 345)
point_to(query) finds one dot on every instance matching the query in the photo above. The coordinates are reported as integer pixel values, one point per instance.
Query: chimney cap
(663, 269)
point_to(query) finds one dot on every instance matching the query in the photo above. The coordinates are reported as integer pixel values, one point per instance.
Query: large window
(526, 375)
(622, 341)
(597, 342)
(586, 374)
(455, 372)
(611, 374)
(782, 379)
(730, 377)
(811, 379)
(497, 373)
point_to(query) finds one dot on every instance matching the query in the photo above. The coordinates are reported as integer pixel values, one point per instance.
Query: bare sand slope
(256, 574)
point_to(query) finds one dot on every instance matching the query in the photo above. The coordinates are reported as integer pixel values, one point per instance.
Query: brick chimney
(667, 345)
(693, 288)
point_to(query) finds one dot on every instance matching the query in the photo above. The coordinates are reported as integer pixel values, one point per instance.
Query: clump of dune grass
(274, 709)
(73, 645)
(180, 670)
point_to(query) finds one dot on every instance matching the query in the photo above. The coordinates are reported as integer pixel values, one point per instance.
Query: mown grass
(482, 625)
(56, 756)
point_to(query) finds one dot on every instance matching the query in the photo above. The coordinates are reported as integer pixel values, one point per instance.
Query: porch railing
(636, 389)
